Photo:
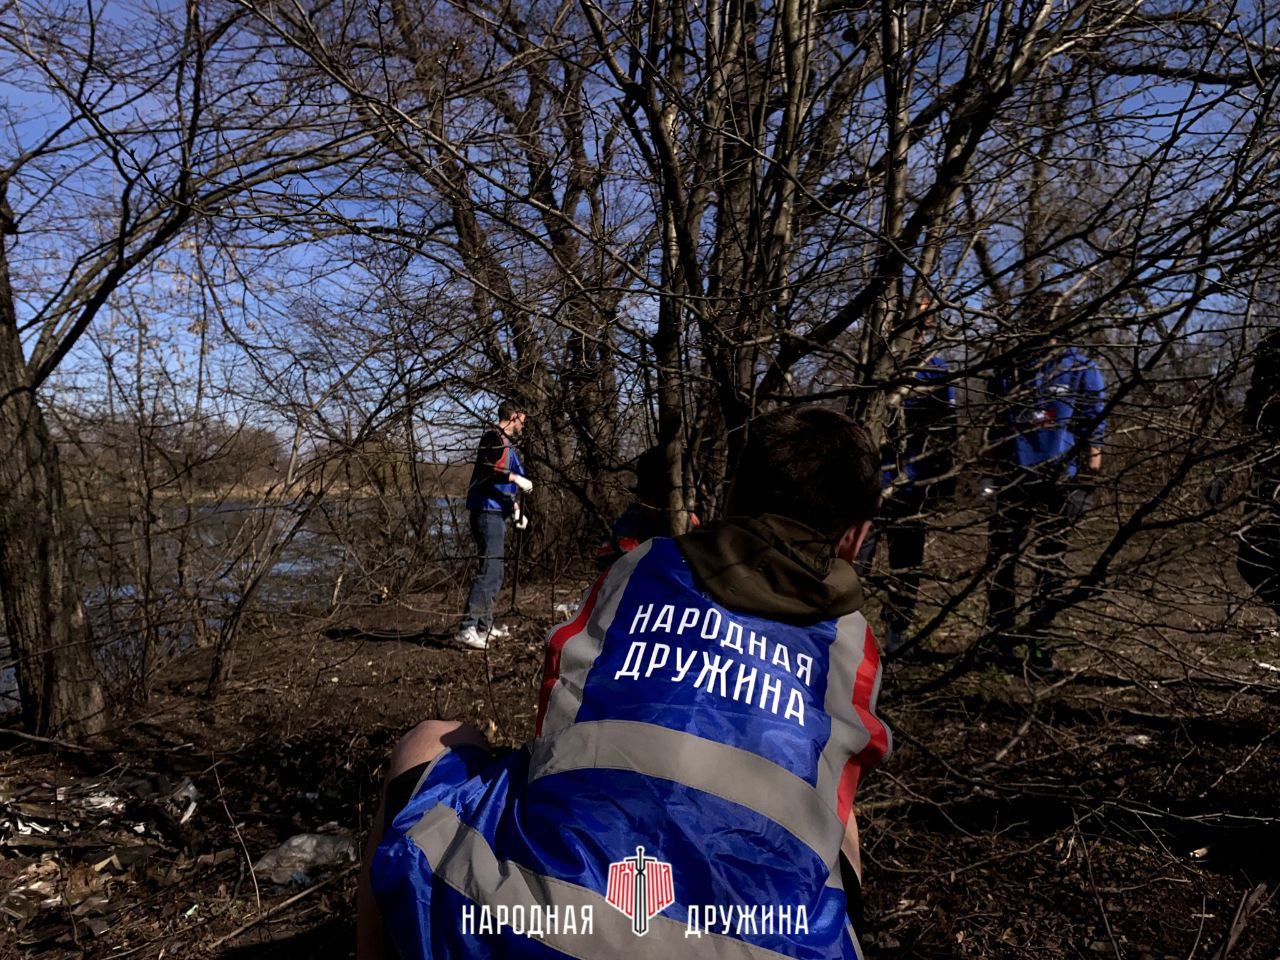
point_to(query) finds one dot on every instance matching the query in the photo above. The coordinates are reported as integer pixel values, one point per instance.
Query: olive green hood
(771, 566)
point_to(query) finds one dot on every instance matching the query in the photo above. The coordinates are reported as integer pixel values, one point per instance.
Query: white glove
(524, 484)
(519, 517)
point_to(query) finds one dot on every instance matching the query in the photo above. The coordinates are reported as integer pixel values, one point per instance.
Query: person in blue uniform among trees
(646, 516)
(497, 479)
(918, 476)
(712, 702)
(1047, 445)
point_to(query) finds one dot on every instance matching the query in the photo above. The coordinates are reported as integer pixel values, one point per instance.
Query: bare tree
(160, 127)
(651, 223)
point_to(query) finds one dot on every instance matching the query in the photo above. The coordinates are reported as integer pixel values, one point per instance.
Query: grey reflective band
(738, 776)
(462, 858)
(853, 938)
(848, 735)
(578, 654)
(430, 768)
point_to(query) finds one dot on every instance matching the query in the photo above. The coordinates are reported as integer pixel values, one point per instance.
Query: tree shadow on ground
(333, 939)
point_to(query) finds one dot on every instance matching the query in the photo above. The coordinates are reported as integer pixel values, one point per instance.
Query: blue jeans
(488, 530)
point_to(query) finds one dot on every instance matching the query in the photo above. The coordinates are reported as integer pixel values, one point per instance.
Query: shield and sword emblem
(640, 887)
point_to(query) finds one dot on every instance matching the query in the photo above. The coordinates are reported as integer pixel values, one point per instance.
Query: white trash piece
(292, 860)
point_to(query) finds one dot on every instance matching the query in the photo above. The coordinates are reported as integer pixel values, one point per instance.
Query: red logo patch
(640, 887)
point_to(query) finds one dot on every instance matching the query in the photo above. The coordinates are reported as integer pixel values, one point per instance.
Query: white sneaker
(470, 637)
(500, 631)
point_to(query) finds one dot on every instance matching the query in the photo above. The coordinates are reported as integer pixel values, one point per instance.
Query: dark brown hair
(811, 464)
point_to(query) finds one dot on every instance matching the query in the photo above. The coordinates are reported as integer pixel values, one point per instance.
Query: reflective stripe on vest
(729, 773)
(572, 649)
(856, 739)
(812, 810)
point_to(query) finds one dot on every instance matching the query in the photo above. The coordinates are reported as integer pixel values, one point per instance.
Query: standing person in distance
(1258, 554)
(1048, 448)
(917, 461)
(497, 480)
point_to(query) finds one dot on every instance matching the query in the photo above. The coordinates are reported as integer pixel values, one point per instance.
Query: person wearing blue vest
(917, 475)
(497, 478)
(1048, 445)
(646, 516)
(703, 724)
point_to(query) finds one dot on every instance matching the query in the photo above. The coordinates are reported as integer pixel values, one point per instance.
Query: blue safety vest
(489, 489)
(1052, 408)
(693, 768)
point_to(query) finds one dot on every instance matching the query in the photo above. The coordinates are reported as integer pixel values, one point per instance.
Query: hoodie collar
(772, 566)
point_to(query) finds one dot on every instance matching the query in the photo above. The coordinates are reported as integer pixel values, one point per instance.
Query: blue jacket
(921, 438)
(1053, 410)
(728, 746)
(489, 489)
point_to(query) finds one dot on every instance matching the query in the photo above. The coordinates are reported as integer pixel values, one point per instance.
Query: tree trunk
(48, 634)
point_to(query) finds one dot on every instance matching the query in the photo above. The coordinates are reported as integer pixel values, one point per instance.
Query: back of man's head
(508, 409)
(1042, 312)
(810, 464)
(651, 477)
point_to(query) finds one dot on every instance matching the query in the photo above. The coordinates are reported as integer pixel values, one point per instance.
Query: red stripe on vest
(878, 741)
(555, 643)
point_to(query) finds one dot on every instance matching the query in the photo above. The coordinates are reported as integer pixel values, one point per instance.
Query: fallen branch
(1250, 904)
(48, 741)
(285, 905)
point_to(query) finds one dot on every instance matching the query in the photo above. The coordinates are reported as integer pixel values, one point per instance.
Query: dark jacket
(489, 489)
(920, 439)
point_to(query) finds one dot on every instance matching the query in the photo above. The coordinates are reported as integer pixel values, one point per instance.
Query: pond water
(365, 541)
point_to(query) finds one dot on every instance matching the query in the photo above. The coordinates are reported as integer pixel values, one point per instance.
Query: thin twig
(257, 894)
(1204, 906)
(1250, 903)
(281, 907)
(1093, 884)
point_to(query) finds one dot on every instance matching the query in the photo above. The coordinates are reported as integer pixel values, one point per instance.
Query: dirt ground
(1123, 805)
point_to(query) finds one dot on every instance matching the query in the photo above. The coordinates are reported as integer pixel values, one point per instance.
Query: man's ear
(851, 542)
